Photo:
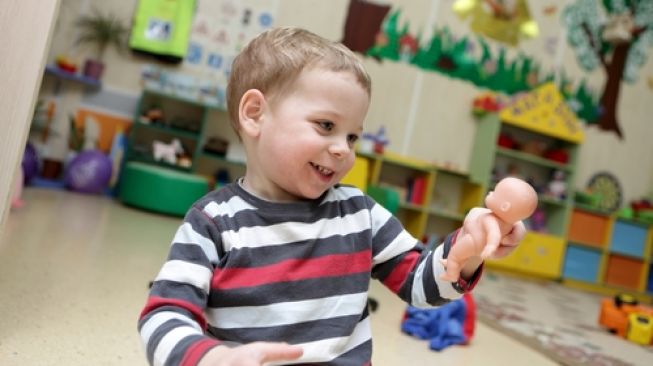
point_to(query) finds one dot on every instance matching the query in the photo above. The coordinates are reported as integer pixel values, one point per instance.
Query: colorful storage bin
(581, 263)
(628, 238)
(623, 271)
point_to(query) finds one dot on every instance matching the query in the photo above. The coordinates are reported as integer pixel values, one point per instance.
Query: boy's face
(307, 136)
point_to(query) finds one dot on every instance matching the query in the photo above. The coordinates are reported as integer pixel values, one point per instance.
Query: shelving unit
(539, 118)
(184, 119)
(608, 254)
(444, 198)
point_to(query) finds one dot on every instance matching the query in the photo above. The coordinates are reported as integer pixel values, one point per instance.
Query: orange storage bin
(623, 271)
(588, 228)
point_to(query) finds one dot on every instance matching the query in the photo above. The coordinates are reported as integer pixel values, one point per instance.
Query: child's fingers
(278, 351)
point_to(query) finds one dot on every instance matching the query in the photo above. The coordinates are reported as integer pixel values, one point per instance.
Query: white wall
(425, 113)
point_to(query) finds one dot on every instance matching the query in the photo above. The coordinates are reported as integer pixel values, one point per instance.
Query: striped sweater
(241, 269)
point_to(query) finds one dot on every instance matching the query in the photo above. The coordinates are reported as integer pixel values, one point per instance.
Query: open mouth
(322, 170)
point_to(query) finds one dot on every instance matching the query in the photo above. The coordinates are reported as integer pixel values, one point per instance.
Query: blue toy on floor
(450, 324)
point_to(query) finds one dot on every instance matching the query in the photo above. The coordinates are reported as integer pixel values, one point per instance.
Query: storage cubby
(582, 263)
(621, 248)
(433, 199)
(588, 228)
(628, 238)
(165, 117)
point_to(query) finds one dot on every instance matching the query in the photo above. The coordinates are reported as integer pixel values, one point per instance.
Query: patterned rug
(557, 321)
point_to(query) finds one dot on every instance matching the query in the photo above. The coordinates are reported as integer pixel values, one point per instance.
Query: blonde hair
(275, 58)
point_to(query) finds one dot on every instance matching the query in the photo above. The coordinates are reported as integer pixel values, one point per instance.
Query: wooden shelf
(530, 158)
(221, 158)
(167, 129)
(70, 76)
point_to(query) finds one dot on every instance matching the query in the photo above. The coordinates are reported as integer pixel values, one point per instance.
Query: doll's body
(481, 235)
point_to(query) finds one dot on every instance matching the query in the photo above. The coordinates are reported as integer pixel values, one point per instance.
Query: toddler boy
(275, 268)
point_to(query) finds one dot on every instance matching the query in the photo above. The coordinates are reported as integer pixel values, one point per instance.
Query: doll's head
(512, 200)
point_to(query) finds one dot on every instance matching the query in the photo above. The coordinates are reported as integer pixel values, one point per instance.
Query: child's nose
(340, 149)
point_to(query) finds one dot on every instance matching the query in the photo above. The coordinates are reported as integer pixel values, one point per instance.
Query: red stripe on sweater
(154, 302)
(398, 276)
(195, 352)
(293, 270)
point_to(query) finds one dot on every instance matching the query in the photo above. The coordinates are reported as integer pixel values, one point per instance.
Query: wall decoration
(219, 30)
(458, 57)
(506, 21)
(613, 34)
(607, 186)
(161, 29)
(363, 22)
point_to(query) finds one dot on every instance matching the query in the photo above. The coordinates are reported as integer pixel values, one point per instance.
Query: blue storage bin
(581, 263)
(628, 239)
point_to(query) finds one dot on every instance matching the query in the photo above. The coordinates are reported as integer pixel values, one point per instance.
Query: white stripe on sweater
(285, 313)
(379, 216)
(328, 349)
(294, 231)
(400, 244)
(168, 342)
(184, 272)
(445, 287)
(230, 208)
(186, 235)
(158, 319)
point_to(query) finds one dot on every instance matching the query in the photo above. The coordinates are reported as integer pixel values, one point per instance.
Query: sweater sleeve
(172, 324)
(407, 268)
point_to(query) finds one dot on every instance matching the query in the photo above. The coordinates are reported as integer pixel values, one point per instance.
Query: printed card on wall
(220, 29)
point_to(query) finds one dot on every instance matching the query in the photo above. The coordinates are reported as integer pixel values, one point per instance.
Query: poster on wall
(219, 30)
(615, 36)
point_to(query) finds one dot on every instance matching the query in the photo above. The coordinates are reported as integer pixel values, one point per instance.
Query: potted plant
(101, 31)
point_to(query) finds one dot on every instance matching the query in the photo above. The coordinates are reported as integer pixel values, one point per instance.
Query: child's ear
(250, 111)
(505, 206)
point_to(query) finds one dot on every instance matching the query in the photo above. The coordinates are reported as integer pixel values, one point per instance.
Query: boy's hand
(253, 354)
(483, 235)
(510, 242)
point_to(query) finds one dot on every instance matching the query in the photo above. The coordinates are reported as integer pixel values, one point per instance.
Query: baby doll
(511, 201)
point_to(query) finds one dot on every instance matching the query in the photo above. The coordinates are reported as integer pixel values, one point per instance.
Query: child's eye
(352, 138)
(326, 125)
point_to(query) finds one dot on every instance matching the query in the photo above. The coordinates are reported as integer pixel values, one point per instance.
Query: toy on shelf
(537, 221)
(534, 147)
(640, 209)
(558, 155)
(507, 141)
(152, 115)
(374, 142)
(167, 152)
(557, 187)
(511, 201)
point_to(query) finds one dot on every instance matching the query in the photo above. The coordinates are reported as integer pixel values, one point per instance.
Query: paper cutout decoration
(544, 111)
(616, 38)
(363, 23)
(506, 21)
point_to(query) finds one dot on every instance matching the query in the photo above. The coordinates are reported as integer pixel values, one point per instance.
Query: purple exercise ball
(30, 163)
(89, 172)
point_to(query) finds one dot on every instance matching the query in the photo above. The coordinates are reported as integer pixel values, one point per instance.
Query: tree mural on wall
(615, 36)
